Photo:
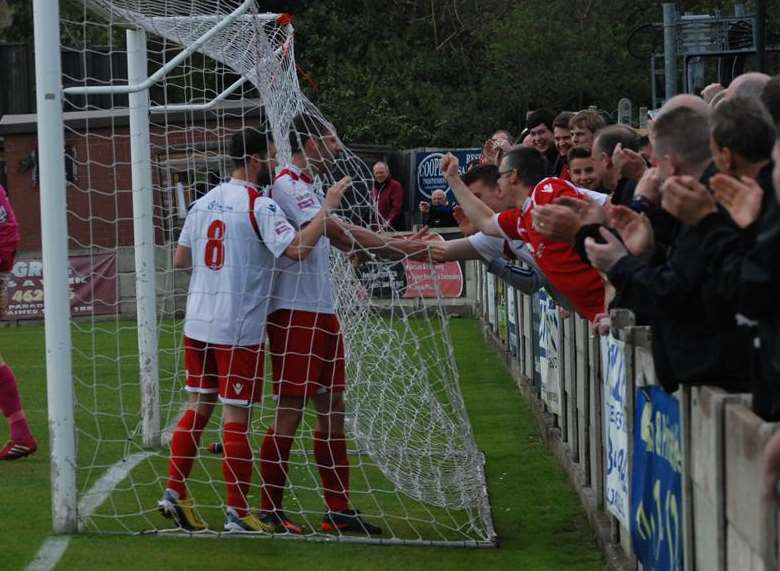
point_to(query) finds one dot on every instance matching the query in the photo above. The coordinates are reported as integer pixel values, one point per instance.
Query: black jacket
(695, 337)
(746, 265)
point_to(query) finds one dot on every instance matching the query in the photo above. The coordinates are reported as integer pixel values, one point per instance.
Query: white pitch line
(54, 548)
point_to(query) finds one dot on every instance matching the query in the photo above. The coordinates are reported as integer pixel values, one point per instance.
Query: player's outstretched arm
(307, 238)
(453, 250)
(480, 215)
(182, 259)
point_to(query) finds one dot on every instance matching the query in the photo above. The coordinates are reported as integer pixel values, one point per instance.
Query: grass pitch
(537, 517)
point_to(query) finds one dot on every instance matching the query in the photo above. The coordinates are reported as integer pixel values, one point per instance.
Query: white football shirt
(305, 285)
(235, 236)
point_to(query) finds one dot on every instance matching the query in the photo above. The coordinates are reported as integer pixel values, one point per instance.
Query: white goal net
(416, 471)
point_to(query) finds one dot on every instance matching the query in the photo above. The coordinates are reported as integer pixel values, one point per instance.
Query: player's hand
(604, 256)
(422, 233)
(437, 251)
(709, 92)
(741, 198)
(449, 165)
(425, 207)
(358, 258)
(635, 230)
(629, 163)
(649, 186)
(686, 199)
(465, 225)
(336, 193)
(588, 211)
(601, 324)
(556, 222)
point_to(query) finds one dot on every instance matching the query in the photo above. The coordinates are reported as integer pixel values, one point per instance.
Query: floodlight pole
(670, 49)
(143, 240)
(760, 35)
(54, 247)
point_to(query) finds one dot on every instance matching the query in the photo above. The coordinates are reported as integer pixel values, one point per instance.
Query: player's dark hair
(609, 137)
(487, 174)
(562, 120)
(248, 142)
(540, 117)
(579, 152)
(683, 132)
(306, 126)
(530, 164)
(743, 125)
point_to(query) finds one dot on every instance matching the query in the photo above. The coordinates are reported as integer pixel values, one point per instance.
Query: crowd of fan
(687, 237)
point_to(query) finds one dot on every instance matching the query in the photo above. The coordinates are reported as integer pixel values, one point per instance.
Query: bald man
(748, 85)
(437, 213)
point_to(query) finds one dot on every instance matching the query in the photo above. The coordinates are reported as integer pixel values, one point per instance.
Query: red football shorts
(7, 260)
(234, 372)
(307, 353)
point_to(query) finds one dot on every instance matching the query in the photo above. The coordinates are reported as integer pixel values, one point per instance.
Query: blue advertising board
(428, 172)
(656, 481)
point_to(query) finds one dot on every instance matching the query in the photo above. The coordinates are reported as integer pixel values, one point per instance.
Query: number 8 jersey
(235, 236)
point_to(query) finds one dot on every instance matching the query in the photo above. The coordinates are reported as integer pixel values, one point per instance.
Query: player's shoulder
(267, 205)
(552, 187)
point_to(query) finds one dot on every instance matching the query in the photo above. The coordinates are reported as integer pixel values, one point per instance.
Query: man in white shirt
(232, 238)
(307, 347)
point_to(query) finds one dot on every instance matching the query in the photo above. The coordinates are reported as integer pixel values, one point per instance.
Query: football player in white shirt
(307, 348)
(231, 238)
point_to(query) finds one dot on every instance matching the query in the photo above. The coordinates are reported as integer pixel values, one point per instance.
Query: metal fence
(689, 464)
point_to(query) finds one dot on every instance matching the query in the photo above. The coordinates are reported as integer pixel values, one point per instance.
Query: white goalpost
(158, 89)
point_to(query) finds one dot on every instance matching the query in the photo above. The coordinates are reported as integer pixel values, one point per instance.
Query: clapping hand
(741, 198)
(629, 163)
(686, 199)
(649, 186)
(556, 222)
(588, 211)
(604, 256)
(635, 230)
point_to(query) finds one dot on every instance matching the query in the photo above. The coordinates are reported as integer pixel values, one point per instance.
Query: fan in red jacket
(388, 196)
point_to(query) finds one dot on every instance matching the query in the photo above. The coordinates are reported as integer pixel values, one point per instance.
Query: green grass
(537, 516)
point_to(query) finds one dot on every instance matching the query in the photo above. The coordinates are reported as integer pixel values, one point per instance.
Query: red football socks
(184, 449)
(11, 405)
(330, 451)
(274, 454)
(237, 466)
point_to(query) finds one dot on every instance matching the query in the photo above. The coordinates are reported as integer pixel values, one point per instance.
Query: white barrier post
(54, 246)
(143, 233)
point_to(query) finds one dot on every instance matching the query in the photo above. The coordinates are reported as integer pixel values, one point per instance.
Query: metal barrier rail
(721, 521)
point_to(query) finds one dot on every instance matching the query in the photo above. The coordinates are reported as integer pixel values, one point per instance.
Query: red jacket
(389, 200)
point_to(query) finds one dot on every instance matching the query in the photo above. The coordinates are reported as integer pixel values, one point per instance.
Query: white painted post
(54, 245)
(143, 232)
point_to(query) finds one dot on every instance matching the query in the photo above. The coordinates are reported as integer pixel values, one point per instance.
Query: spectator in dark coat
(437, 213)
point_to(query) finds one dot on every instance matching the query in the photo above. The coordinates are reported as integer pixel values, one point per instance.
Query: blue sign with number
(429, 177)
(656, 481)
